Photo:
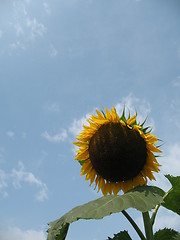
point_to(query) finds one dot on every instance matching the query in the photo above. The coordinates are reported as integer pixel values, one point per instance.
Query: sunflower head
(116, 152)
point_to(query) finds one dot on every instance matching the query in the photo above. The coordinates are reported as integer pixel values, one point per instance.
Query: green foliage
(172, 200)
(62, 235)
(142, 198)
(121, 236)
(167, 234)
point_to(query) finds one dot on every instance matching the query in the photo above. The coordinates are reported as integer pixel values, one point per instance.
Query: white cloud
(27, 1)
(36, 28)
(52, 107)
(18, 177)
(17, 45)
(23, 25)
(59, 137)
(171, 162)
(1, 33)
(10, 134)
(19, 30)
(3, 184)
(170, 165)
(77, 125)
(1, 155)
(16, 233)
(24, 135)
(53, 51)
(134, 104)
(47, 8)
(21, 176)
(176, 82)
(164, 219)
(168, 219)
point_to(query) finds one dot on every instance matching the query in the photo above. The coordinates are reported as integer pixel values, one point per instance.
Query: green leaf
(167, 234)
(121, 236)
(142, 198)
(62, 236)
(172, 200)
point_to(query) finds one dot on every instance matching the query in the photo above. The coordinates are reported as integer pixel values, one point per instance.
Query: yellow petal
(109, 187)
(102, 185)
(82, 155)
(152, 148)
(81, 144)
(122, 123)
(100, 115)
(114, 115)
(139, 180)
(86, 167)
(146, 172)
(131, 120)
(92, 176)
(116, 187)
(150, 138)
(126, 185)
(108, 115)
(96, 181)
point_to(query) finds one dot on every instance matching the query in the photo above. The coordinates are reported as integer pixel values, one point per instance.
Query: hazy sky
(59, 61)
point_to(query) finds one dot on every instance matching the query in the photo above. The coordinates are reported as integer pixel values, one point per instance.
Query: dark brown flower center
(117, 153)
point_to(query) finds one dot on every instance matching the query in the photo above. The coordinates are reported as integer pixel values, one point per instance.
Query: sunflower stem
(157, 208)
(154, 214)
(135, 226)
(148, 226)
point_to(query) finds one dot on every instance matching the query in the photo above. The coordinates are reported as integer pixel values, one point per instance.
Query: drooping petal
(131, 120)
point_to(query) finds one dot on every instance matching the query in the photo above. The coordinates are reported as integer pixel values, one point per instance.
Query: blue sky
(59, 61)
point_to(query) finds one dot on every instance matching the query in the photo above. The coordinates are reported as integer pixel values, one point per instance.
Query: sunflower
(116, 153)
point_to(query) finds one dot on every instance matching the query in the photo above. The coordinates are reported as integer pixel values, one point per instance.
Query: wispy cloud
(171, 162)
(58, 137)
(28, 1)
(3, 183)
(77, 124)
(23, 25)
(18, 177)
(19, 234)
(18, 29)
(36, 28)
(134, 104)
(170, 165)
(47, 8)
(176, 82)
(164, 219)
(10, 134)
(17, 45)
(51, 108)
(53, 51)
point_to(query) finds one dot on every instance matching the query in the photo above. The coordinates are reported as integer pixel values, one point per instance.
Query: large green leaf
(172, 200)
(142, 198)
(121, 236)
(167, 234)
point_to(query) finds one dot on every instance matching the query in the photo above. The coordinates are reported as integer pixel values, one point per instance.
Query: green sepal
(123, 235)
(146, 128)
(103, 113)
(143, 122)
(167, 234)
(81, 162)
(123, 118)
